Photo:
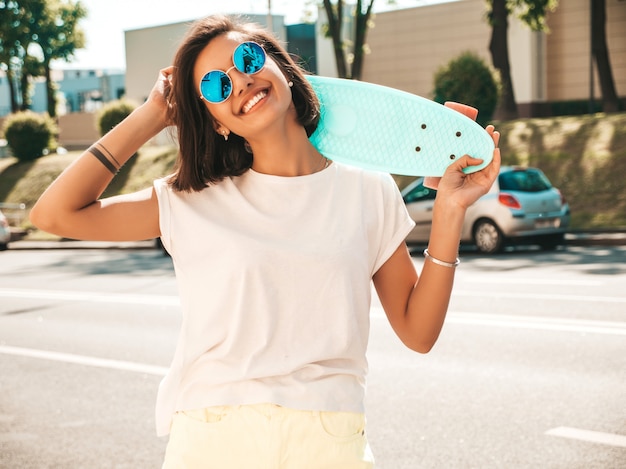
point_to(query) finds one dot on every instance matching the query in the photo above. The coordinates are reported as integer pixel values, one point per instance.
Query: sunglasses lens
(216, 86)
(249, 58)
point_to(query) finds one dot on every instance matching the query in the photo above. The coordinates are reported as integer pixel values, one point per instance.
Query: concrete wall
(77, 130)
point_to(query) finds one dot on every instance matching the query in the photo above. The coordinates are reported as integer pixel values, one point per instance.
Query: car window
(420, 193)
(526, 180)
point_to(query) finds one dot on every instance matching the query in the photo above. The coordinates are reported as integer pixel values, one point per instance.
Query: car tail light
(509, 200)
(563, 201)
(4, 222)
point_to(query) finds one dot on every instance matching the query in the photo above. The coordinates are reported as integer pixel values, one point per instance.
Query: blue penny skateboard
(381, 128)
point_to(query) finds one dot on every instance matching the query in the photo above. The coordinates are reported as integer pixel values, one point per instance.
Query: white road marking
(170, 300)
(84, 360)
(583, 326)
(92, 297)
(497, 320)
(511, 280)
(519, 322)
(610, 439)
(540, 296)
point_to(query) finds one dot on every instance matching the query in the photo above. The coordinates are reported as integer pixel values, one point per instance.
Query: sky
(108, 19)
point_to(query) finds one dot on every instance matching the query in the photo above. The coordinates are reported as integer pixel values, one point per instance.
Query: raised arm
(417, 306)
(71, 207)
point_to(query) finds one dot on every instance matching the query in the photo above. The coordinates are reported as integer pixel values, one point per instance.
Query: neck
(288, 156)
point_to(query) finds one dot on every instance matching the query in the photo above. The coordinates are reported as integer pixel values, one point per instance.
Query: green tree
(600, 51)
(58, 35)
(349, 60)
(48, 26)
(533, 14)
(15, 37)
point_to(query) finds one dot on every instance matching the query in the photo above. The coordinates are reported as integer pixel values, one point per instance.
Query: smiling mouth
(254, 101)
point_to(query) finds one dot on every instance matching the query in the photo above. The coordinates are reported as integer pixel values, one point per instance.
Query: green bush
(29, 134)
(112, 114)
(468, 80)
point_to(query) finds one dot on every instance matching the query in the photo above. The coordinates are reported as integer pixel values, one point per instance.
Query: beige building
(409, 45)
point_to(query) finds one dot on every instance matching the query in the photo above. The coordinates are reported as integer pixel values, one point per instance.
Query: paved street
(529, 371)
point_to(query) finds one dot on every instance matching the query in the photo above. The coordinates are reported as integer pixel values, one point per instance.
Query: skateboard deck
(381, 128)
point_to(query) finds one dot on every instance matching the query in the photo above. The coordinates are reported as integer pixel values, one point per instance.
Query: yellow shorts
(267, 436)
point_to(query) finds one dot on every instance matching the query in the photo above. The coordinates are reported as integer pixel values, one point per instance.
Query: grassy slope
(585, 156)
(24, 182)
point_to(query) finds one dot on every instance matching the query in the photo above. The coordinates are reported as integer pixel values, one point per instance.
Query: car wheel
(488, 237)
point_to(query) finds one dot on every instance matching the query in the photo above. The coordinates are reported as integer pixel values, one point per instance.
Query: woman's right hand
(159, 97)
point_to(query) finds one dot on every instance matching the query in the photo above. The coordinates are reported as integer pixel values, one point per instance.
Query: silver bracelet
(434, 260)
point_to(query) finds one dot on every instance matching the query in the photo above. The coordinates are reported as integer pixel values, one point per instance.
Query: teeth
(250, 104)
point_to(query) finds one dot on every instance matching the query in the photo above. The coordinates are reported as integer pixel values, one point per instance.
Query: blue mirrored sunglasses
(216, 86)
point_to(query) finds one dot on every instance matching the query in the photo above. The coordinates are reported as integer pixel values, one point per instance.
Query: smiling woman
(275, 250)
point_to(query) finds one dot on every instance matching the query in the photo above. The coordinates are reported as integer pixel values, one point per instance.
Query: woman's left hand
(458, 187)
(464, 189)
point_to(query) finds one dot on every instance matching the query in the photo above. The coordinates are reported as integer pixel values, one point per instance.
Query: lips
(247, 107)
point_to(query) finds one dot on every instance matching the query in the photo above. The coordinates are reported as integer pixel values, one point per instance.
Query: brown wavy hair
(204, 157)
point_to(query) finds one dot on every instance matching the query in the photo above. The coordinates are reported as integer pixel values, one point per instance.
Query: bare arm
(417, 306)
(70, 207)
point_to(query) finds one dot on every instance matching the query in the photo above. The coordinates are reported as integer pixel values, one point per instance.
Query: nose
(240, 80)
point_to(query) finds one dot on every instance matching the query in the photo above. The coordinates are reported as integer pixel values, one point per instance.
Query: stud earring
(290, 84)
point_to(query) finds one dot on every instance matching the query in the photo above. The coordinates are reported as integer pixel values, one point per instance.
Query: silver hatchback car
(521, 207)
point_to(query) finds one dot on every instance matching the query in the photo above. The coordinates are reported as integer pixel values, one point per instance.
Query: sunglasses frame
(225, 74)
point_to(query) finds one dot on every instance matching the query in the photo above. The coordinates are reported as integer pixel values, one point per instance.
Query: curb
(596, 238)
(71, 244)
(609, 238)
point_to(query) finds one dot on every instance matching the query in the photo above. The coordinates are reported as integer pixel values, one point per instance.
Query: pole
(591, 44)
(270, 25)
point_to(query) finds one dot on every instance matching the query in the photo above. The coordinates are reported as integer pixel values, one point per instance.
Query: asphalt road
(529, 372)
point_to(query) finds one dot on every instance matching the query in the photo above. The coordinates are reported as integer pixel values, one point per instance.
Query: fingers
(167, 71)
(464, 109)
(495, 135)
(467, 160)
(432, 182)
(497, 160)
(464, 162)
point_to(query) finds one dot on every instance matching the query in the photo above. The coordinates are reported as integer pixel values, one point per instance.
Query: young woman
(274, 247)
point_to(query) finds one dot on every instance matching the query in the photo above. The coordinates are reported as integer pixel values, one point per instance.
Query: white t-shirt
(274, 276)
